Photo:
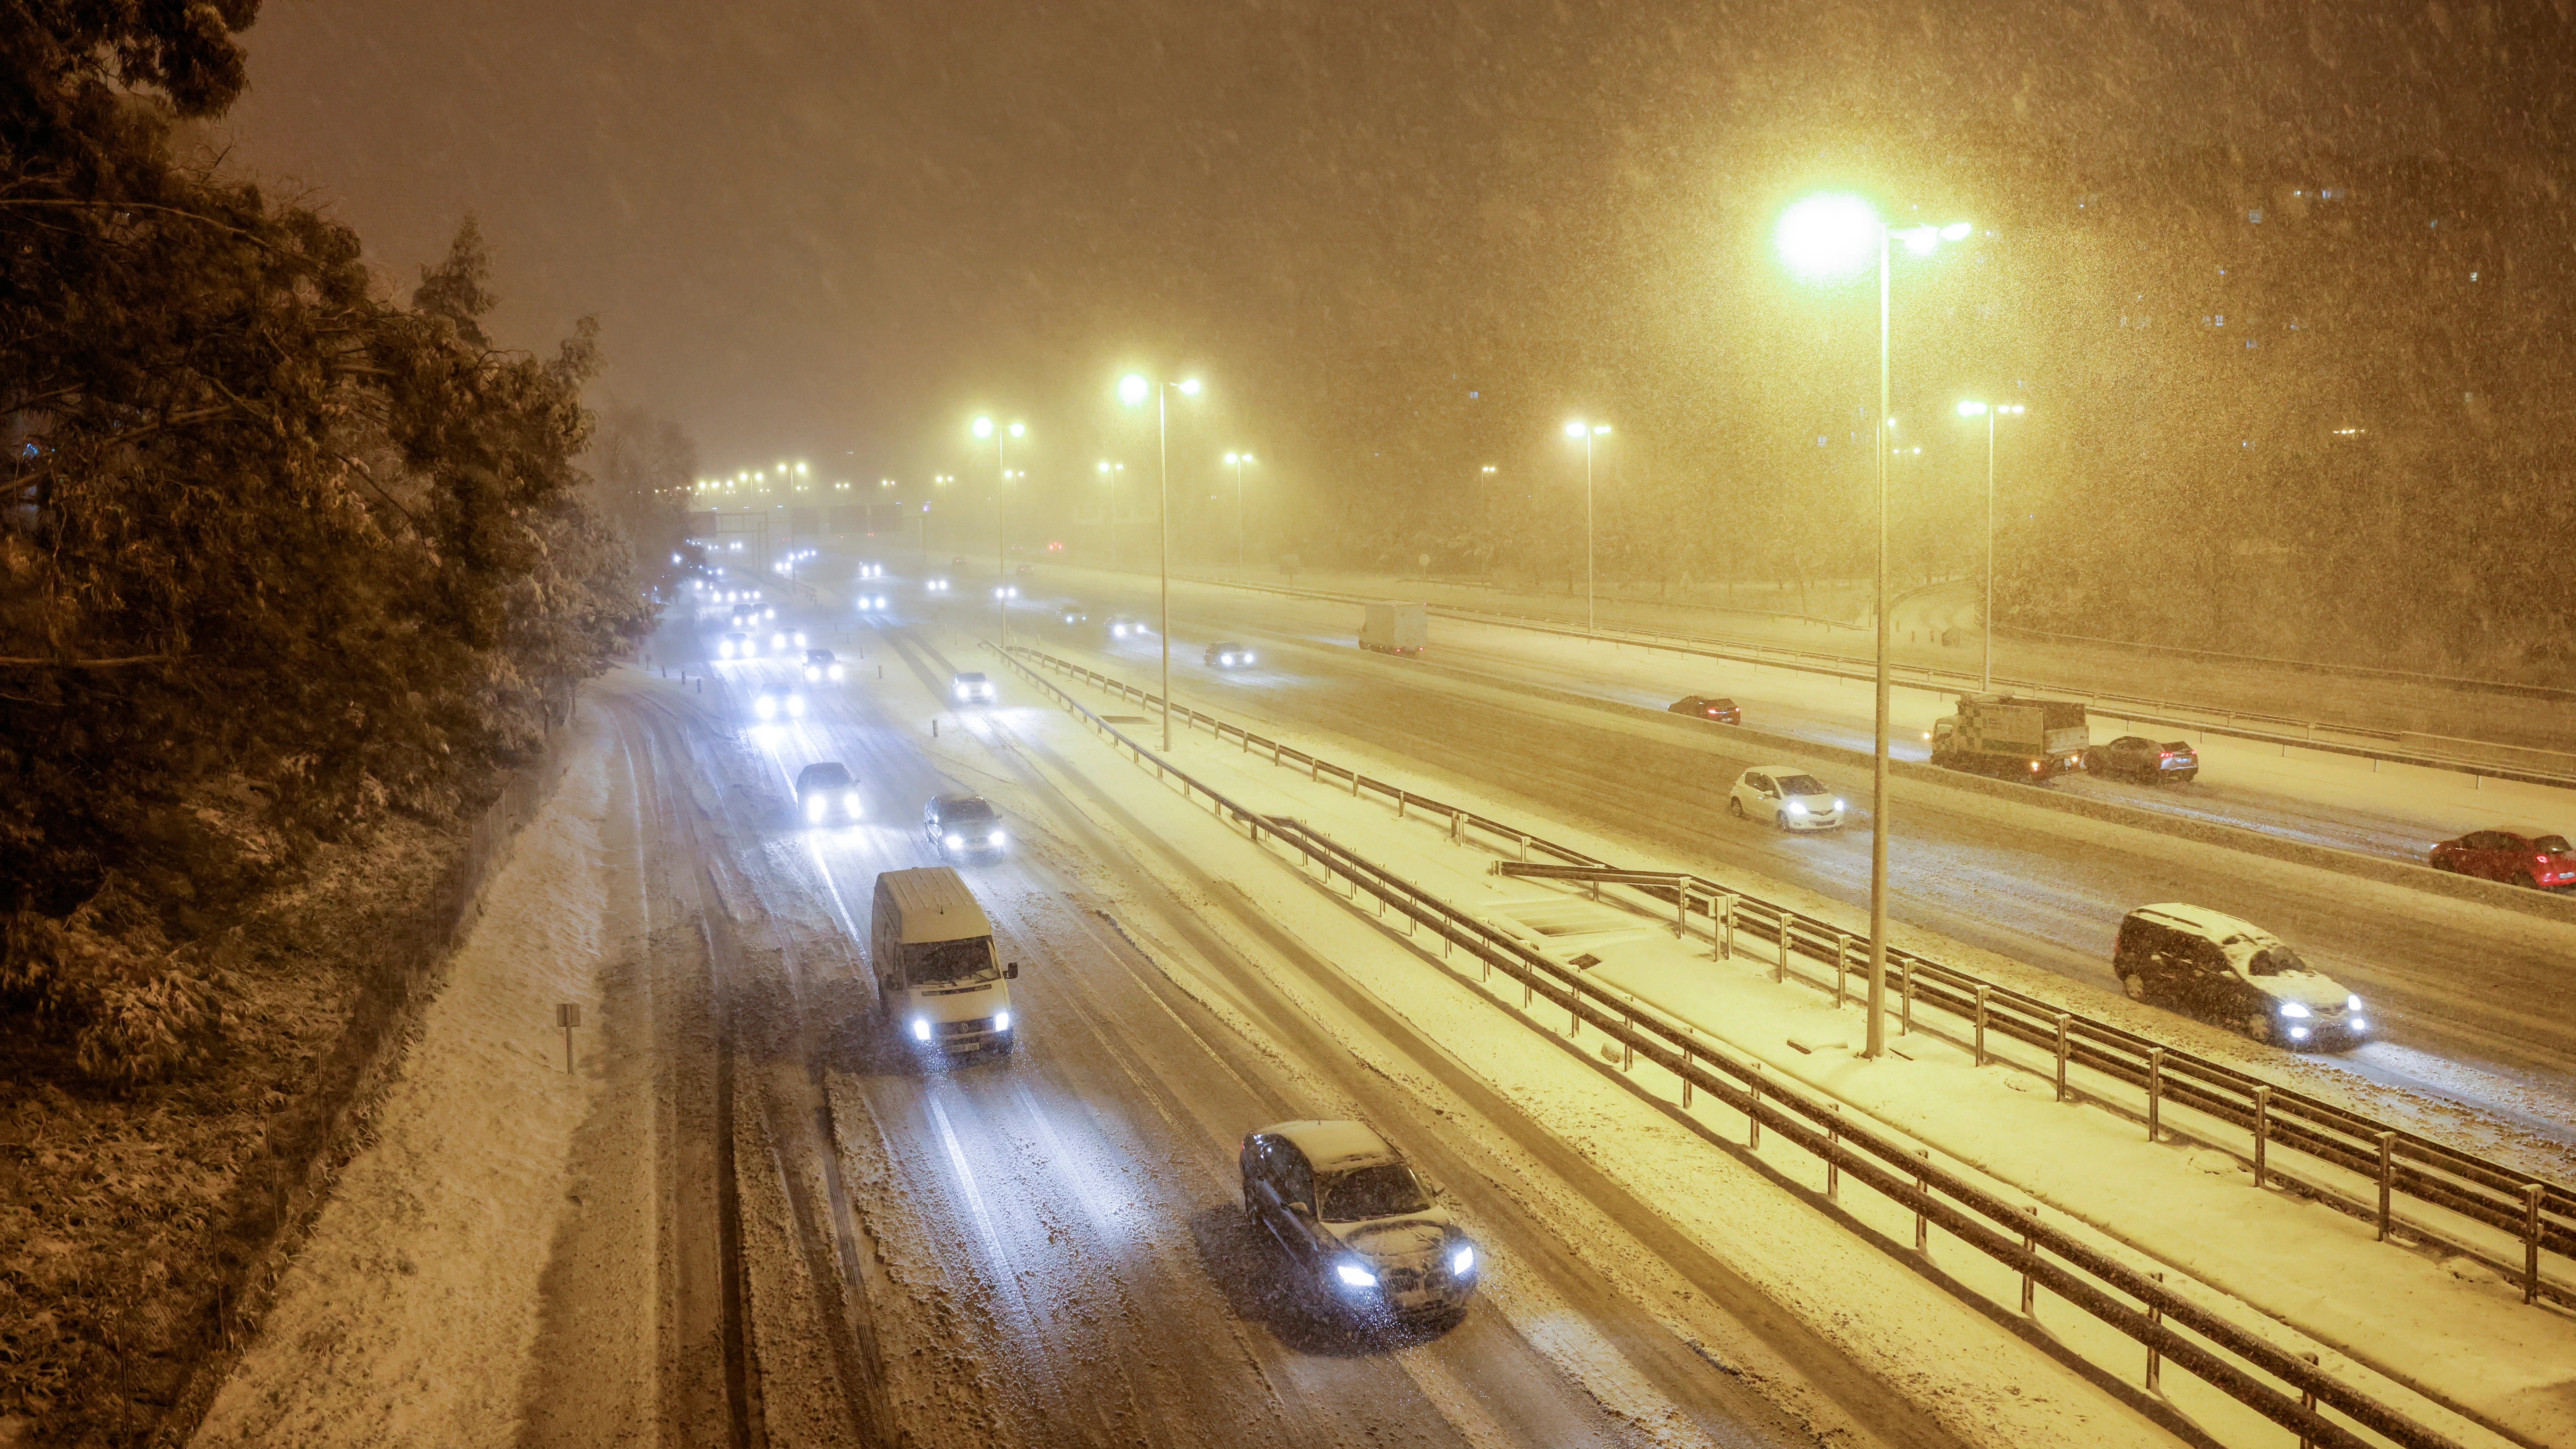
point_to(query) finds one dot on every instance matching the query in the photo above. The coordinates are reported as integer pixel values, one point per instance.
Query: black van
(2223, 970)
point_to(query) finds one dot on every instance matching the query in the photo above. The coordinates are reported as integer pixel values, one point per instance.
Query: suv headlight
(2294, 1011)
(1001, 1021)
(1463, 1261)
(1354, 1276)
(814, 808)
(795, 704)
(2352, 1003)
(921, 1028)
(954, 841)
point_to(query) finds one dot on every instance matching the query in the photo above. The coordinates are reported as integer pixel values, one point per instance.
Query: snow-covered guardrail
(2259, 728)
(2281, 1386)
(2537, 1215)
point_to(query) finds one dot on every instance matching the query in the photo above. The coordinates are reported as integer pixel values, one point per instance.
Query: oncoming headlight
(852, 801)
(993, 839)
(1463, 1261)
(2294, 1011)
(953, 841)
(1797, 807)
(795, 704)
(2352, 1003)
(814, 808)
(767, 706)
(1354, 1276)
(1001, 1021)
(836, 672)
(920, 1028)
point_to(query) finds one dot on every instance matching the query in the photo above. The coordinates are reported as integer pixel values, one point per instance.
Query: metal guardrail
(2138, 709)
(2166, 1324)
(2540, 1214)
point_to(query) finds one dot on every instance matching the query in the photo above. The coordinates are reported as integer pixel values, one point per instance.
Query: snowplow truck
(1395, 628)
(1999, 734)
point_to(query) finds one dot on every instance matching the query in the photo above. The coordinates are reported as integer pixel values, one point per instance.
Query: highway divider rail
(2283, 1387)
(2258, 728)
(2533, 1214)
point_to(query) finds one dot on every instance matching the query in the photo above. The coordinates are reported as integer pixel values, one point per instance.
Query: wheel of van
(2258, 1027)
(2135, 985)
(1734, 807)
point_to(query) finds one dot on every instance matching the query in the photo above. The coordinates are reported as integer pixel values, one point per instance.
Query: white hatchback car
(1786, 796)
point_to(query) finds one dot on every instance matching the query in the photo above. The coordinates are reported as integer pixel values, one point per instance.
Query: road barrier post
(2155, 1088)
(1842, 966)
(1753, 1108)
(2029, 1286)
(2387, 1177)
(1922, 1220)
(1834, 1153)
(2531, 1195)
(1905, 983)
(1686, 1077)
(2061, 1056)
(1981, 1024)
(1726, 942)
(2262, 1133)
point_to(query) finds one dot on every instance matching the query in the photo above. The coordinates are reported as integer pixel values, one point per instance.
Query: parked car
(2143, 760)
(972, 688)
(1230, 656)
(2223, 970)
(1355, 1221)
(779, 701)
(963, 825)
(737, 645)
(825, 793)
(820, 665)
(2543, 861)
(1786, 796)
(1705, 706)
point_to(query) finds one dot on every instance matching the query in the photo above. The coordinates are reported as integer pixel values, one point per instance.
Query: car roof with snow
(823, 775)
(1335, 1146)
(1779, 771)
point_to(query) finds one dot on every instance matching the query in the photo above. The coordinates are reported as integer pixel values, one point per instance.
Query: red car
(1707, 707)
(2544, 861)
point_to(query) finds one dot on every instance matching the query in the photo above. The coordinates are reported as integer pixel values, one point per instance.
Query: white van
(939, 983)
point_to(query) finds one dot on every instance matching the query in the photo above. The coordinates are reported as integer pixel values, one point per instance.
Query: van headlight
(767, 706)
(920, 1028)
(1001, 1021)
(1354, 1276)
(814, 808)
(954, 841)
(2352, 1003)
(1463, 1261)
(836, 673)
(800, 638)
(852, 801)
(2294, 1011)
(994, 839)
(812, 674)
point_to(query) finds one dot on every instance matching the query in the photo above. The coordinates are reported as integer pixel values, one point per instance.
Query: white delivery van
(1395, 628)
(939, 985)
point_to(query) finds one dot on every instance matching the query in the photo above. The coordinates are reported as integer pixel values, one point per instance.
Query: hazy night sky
(825, 229)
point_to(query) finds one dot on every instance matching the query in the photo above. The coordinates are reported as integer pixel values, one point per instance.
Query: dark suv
(2222, 970)
(963, 825)
(2145, 761)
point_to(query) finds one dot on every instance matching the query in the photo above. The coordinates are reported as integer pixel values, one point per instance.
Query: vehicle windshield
(2275, 961)
(830, 777)
(970, 679)
(965, 812)
(2551, 845)
(1382, 1191)
(949, 963)
(1802, 785)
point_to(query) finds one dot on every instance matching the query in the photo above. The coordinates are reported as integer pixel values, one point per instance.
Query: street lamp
(1238, 460)
(1109, 474)
(1001, 436)
(1989, 413)
(1828, 239)
(1132, 390)
(1579, 429)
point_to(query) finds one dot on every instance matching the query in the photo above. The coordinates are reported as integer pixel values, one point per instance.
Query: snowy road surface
(1050, 1244)
(2468, 996)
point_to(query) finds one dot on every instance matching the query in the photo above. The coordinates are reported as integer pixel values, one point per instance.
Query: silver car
(1786, 796)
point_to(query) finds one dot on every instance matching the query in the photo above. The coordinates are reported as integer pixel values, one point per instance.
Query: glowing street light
(1238, 460)
(1990, 413)
(1132, 390)
(1587, 432)
(1829, 239)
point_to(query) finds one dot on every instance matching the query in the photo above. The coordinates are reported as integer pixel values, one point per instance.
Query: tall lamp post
(1990, 411)
(1109, 474)
(1579, 429)
(1238, 460)
(1825, 239)
(1132, 390)
(1001, 436)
